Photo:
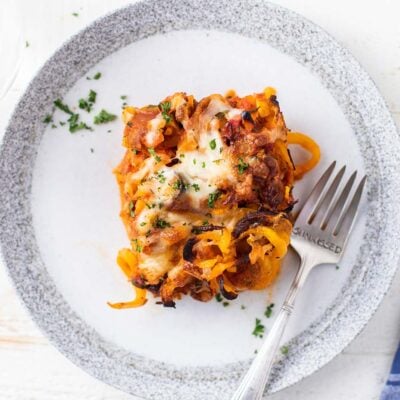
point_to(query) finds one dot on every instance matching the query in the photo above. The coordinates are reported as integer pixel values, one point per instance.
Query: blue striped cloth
(391, 391)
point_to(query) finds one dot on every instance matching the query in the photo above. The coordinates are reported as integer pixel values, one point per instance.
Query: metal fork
(319, 236)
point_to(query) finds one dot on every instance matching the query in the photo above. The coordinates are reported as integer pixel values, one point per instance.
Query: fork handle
(253, 384)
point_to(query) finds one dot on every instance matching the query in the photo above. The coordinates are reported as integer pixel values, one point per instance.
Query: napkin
(391, 391)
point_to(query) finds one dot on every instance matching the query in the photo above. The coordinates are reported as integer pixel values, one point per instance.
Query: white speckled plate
(60, 229)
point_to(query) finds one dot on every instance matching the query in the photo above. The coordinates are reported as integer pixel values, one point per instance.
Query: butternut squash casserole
(206, 194)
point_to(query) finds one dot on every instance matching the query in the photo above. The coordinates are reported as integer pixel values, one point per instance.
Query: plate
(60, 230)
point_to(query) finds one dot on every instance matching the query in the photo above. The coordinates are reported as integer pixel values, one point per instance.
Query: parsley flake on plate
(268, 311)
(259, 329)
(103, 117)
(48, 118)
(75, 126)
(87, 104)
(63, 107)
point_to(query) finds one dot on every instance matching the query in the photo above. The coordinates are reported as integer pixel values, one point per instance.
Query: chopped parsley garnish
(62, 123)
(123, 97)
(203, 164)
(86, 104)
(165, 108)
(75, 14)
(134, 151)
(205, 223)
(161, 177)
(63, 107)
(218, 297)
(218, 161)
(196, 187)
(131, 209)
(243, 307)
(161, 223)
(181, 156)
(103, 117)
(150, 206)
(337, 267)
(268, 311)
(138, 247)
(194, 161)
(213, 197)
(213, 144)
(74, 126)
(97, 76)
(154, 154)
(73, 120)
(27, 44)
(285, 350)
(258, 330)
(47, 119)
(225, 303)
(242, 166)
(53, 126)
(180, 185)
(92, 96)
(143, 223)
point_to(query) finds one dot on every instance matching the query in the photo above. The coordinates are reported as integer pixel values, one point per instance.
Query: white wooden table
(32, 369)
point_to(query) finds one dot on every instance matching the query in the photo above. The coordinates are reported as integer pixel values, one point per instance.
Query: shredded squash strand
(139, 300)
(307, 143)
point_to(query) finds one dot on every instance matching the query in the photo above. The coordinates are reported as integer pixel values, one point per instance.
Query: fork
(319, 236)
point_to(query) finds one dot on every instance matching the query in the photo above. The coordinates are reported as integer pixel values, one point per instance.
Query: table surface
(30, 368)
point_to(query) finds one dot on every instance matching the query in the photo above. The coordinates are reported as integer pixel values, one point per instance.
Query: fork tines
(330, 209)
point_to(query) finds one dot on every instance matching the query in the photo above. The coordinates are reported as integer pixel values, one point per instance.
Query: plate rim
(283, 373)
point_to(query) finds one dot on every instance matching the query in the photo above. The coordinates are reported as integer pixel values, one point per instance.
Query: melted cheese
(202, 170)
(233, 113)
(154, 266)
(207, 166)
(162, 186)
(154, 127)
